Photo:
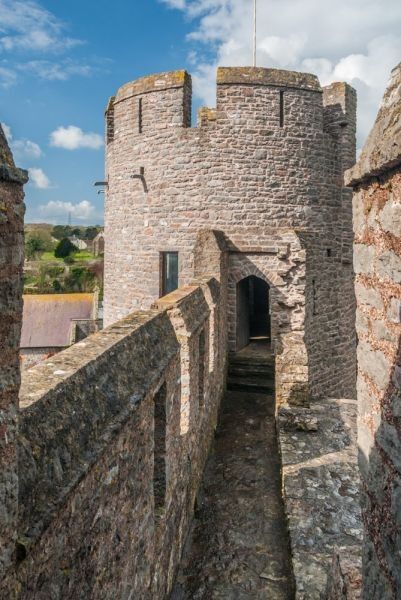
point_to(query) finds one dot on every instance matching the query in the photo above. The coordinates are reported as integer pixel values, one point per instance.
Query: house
(52, 322)
(78, 243)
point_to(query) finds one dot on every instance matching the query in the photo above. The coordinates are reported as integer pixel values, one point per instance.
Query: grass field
(81, 255)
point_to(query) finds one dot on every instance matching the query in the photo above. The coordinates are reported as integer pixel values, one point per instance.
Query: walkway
(239, 548)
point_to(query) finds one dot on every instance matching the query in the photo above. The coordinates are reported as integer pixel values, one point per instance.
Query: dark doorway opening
(253, 314)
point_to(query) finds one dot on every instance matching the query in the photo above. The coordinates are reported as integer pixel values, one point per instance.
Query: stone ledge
(153, 83)
(10, 173)
(382, 150)
(321, 495)
(267, 77)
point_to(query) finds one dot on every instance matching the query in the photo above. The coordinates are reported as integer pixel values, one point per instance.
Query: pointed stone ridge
(382, 150)
(6, 158)
(8, 170)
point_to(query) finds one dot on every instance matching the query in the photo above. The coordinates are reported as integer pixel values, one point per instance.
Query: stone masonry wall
(266, 162)
(11, 261)
(376, 180)
(114, 434)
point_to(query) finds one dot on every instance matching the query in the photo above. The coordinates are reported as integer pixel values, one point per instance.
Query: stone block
(369, 296)
(374, 363)
(363, 258)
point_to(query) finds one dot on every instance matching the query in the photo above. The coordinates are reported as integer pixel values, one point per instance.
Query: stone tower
(266, 169)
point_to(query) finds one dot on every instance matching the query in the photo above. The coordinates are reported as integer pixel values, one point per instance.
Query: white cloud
(55, 71)
(175, 3)
(30, 37)
(7, 77)
(56, 210)
(26, 25)
(72, 138)
(39, 179)
(358, 41)
(22, 149)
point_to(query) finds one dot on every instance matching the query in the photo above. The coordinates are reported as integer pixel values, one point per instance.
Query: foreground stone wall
(265, 167)
(114, 434)
(11, 262)
(321, 496)
(377, 221)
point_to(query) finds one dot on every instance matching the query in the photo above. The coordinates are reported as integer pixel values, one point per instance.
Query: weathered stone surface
(382, 150)
(321, 496)
(11, 261)
(377, 208)
(113, 440)
(238, 547)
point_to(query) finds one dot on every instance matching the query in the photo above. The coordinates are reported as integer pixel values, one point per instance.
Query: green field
(81, 255)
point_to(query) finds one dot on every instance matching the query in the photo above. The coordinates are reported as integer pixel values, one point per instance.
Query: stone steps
(251, 374)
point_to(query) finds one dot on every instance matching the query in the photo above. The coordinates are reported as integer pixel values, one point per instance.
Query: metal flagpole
(254, 32)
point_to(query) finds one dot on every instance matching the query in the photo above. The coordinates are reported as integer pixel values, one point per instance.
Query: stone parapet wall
(376, 180)
(114, 434)
(11, 261)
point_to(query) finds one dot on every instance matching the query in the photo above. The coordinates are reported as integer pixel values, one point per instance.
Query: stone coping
(153, 83)
(13, 174)
(382, 150)
(267, 77)
(225, 76)
(74, 403)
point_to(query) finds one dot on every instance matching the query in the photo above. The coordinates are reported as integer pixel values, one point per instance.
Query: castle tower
(265, 168)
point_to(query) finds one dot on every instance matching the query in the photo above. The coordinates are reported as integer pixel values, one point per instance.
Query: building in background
(98, 244)
(52, 322)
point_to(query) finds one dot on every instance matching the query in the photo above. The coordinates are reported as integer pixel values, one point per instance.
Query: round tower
(265, 167)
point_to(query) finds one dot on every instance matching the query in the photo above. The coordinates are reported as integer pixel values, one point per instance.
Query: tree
(64, 248)
(62, 231)
(91, 232)
(36, 243)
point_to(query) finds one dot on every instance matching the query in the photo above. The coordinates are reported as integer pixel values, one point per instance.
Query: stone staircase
(251, 370)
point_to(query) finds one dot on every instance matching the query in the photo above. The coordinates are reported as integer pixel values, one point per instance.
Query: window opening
(168, 272)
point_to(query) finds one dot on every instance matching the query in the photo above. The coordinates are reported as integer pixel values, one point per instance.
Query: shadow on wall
(104, 462)
(381, 490)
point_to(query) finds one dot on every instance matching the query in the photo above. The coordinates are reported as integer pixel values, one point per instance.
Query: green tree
(91, 233)
(36, 243)
(64, 248)
(62, 231)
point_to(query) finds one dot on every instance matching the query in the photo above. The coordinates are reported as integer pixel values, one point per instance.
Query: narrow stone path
(239, 547)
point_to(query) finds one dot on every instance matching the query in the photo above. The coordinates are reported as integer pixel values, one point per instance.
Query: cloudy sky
(59, 62)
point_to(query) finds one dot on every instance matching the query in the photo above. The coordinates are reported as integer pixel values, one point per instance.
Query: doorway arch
(253, 310)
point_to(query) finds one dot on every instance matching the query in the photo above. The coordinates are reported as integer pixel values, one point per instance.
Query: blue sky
(68, 82)
(61, 60)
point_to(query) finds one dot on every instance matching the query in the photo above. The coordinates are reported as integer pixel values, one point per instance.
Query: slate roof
(46, 320)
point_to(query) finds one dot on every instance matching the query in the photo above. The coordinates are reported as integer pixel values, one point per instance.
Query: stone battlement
(113, 437)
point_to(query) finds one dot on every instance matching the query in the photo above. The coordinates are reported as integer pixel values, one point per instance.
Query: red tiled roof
(46, 320)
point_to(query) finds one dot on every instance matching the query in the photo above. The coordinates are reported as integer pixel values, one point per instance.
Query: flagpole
(254, 32)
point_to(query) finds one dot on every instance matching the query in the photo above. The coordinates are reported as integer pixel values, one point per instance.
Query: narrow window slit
(282, 109)
(314, 297)
(140, 115)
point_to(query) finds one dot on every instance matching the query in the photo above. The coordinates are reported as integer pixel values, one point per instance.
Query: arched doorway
(253, 314)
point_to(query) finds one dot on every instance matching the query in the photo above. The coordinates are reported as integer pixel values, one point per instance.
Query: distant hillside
(31, 227)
